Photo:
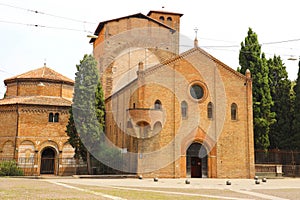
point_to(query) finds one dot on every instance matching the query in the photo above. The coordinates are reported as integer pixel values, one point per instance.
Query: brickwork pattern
(229, 142)
(25, 110)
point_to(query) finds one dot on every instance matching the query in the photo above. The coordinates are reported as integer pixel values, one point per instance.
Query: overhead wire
(82, 21)
(213, 47)
(44, 13)
(44, 26)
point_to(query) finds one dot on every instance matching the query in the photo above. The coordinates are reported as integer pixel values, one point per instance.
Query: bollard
(140, 177)
(255, 177)
(257, 182)
(228, 182)
(155, 179)
(187, 181)
(264, 180)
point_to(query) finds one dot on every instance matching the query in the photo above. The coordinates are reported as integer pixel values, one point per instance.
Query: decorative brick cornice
(35, 83)
(44, 109)
(8, 109)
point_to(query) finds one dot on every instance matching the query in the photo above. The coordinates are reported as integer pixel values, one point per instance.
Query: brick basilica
(171, 113)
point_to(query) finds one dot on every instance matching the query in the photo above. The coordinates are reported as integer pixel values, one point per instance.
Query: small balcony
(148, 119)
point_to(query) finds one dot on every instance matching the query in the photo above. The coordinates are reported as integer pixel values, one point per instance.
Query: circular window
(196, 91)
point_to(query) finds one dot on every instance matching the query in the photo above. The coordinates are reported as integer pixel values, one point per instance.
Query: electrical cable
(43, 26)
(43, 13)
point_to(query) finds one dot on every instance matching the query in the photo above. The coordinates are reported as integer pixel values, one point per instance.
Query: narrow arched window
(169, 19)
(233, 111)
(161, 18)
(157, 105)
(56, 117)
(50, 118)
(210, 110)
(184, 108)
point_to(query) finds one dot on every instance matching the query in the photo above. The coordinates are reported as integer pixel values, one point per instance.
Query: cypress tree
(296, 122)
(251, 58)
(280, 88)
(87, 118)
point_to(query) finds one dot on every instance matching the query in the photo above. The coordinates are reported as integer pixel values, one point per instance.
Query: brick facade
(27, 131)
(158, 136)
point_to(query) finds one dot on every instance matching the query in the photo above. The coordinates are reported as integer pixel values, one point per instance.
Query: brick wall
(232, 155)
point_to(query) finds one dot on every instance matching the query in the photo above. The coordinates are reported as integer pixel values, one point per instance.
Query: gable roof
(170, 60)
(138, 15)
(191, 51)
(43, 73)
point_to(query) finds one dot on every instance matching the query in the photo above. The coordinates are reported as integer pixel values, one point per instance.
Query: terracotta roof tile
(43, 73)
(138, 15)
(36, 100)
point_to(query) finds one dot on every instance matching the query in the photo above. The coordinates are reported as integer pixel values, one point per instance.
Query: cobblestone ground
(75, 188)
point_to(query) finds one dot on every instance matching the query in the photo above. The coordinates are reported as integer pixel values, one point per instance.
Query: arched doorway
(196, 161)
(48, 161)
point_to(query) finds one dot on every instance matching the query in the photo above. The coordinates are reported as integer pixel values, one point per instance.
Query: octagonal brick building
(34, 114)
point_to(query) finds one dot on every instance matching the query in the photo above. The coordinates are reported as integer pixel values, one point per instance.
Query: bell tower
(168, 18)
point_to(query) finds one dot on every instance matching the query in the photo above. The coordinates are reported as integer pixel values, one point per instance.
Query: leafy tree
(296, 122)
(74, 138)
(251, 58)
(280, 88)
(86, 125)
(87, 118)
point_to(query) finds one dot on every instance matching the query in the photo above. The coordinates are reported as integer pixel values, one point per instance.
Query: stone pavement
(275, 189)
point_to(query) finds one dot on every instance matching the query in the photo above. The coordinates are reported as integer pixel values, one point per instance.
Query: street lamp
(292, 58)
(92, 36)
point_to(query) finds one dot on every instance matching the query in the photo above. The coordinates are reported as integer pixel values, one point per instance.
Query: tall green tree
(87, 117)
(280, 88)
(252, 58)
(74, 138)
(296, 122)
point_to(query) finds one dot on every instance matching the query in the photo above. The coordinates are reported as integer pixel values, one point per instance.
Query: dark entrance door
(196, 167)
(196, 161)
(48, 161)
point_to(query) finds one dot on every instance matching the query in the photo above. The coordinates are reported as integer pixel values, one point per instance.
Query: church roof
(44, 73)
(36, 100)
(163, 12)
(138, 15)
(171, 58)
(189, 52)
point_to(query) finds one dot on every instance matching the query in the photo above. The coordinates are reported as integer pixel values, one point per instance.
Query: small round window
(196, 91)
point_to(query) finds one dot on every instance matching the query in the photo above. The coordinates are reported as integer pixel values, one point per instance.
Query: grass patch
(138, 195)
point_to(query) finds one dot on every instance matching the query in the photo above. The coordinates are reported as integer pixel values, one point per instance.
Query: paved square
(130, 188)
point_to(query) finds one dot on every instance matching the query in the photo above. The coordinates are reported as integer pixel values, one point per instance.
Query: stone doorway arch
(196, 161)
(48, 161)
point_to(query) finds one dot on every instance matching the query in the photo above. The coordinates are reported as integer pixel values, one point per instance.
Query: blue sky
(220, 23)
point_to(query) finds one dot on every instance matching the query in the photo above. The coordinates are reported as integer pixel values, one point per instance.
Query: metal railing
(287, 159)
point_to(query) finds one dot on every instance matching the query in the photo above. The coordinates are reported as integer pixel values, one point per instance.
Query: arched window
(50, 118)
(56, 117)
(162, 18)
(157, 105)
(210, 110)
(233, 111)
(184, 108)
(53, 117)
(156, 128)
(169, 19)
